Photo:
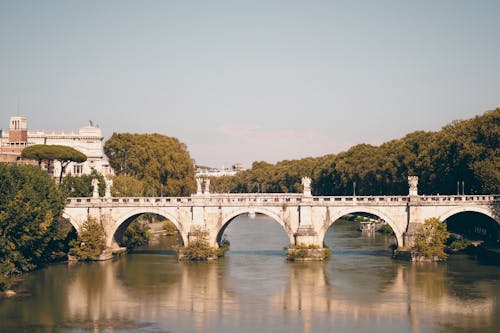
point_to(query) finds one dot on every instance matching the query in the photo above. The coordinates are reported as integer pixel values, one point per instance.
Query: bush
(136, 234)
(386, 230)
(223, 246)
(90, 242)
(200, 249)
(430, 240)
(460, 244)
(170, 228)
(5, 278)
(301, 251)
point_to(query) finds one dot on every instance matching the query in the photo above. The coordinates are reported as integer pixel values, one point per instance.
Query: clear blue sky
(239, 81)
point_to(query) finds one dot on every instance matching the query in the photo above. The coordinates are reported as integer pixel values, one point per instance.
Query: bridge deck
(281, 199)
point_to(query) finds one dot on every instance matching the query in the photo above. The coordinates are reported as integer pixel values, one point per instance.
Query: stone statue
(413, 185)
(306, 182)
(95, 185)
(109, 182)
(199, 182)
(207, 185)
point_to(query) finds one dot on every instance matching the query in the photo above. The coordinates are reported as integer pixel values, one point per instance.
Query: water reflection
(357, 290)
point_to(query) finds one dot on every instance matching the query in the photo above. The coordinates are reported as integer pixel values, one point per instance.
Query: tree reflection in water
(359, 289)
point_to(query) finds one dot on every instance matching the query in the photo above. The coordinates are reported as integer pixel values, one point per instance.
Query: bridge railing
(188, 201)
(455, 198)
(281, 198)
(363, 199)
(130, 200)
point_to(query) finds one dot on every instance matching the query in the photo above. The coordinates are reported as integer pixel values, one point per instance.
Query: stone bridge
(304, 217)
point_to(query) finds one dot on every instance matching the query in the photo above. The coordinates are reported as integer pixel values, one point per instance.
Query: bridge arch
(72, 220)
(475, 223)
(230, 216)
(473, 209)
(127, 216)
(398, 230)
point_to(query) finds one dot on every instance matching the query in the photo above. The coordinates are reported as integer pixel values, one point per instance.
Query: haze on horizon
(246, 81)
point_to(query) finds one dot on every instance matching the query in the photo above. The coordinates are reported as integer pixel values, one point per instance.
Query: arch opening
(148, 230)
(254, 232)
(475, 227)
(362, 231)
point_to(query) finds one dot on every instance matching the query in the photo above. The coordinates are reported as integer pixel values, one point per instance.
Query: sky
(244, 81)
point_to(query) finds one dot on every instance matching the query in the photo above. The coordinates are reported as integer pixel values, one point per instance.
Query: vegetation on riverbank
(199, 248)
(32, 230)
(430, 241)
(90, 242)
(386, 229)
(137, 234)
(302, 252)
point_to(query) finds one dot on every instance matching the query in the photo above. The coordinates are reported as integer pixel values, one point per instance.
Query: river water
(254, 289)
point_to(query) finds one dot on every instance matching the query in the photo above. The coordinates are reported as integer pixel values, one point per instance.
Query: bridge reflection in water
(359, 290)
(195, 296)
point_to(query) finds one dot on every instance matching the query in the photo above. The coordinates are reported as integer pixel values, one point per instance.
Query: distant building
(88, 140)
(214, 172)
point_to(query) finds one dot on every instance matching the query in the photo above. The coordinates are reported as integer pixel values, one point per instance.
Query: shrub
(386, 229)
(170, 228)
(431, 238)
(460, 244)
(136, 234)
(301, 251)
(90, 242)
(199, 248)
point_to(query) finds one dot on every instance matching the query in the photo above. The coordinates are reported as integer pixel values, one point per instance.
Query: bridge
(304, 217)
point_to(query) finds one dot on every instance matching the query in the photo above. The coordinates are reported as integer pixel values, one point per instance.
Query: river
(359, 289)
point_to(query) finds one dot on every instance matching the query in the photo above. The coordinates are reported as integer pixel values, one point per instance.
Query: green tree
(127, 186)
(81, 186)
(162, 163)
(31, 206)
(49, 153)
(431, 238)
(90, 242)
(136, 234)
(198, 249)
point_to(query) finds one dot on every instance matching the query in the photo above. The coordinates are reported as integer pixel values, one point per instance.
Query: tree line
(463, 156)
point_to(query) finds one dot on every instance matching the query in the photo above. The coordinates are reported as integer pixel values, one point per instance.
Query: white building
(88, 140)
(213, 172)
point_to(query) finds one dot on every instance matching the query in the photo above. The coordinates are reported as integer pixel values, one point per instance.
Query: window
(77, 169)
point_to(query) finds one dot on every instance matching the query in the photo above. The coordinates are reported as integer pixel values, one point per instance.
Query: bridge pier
(306, 235)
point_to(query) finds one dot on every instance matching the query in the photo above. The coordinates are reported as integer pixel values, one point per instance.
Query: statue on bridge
(199, 182)
(199, 186)
(306, 182)
(95, 185)
(109, 183)
(413, 185)
(207, 186)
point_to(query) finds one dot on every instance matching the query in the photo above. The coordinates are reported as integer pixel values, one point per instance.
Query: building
(88, 140)
(213, 172)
